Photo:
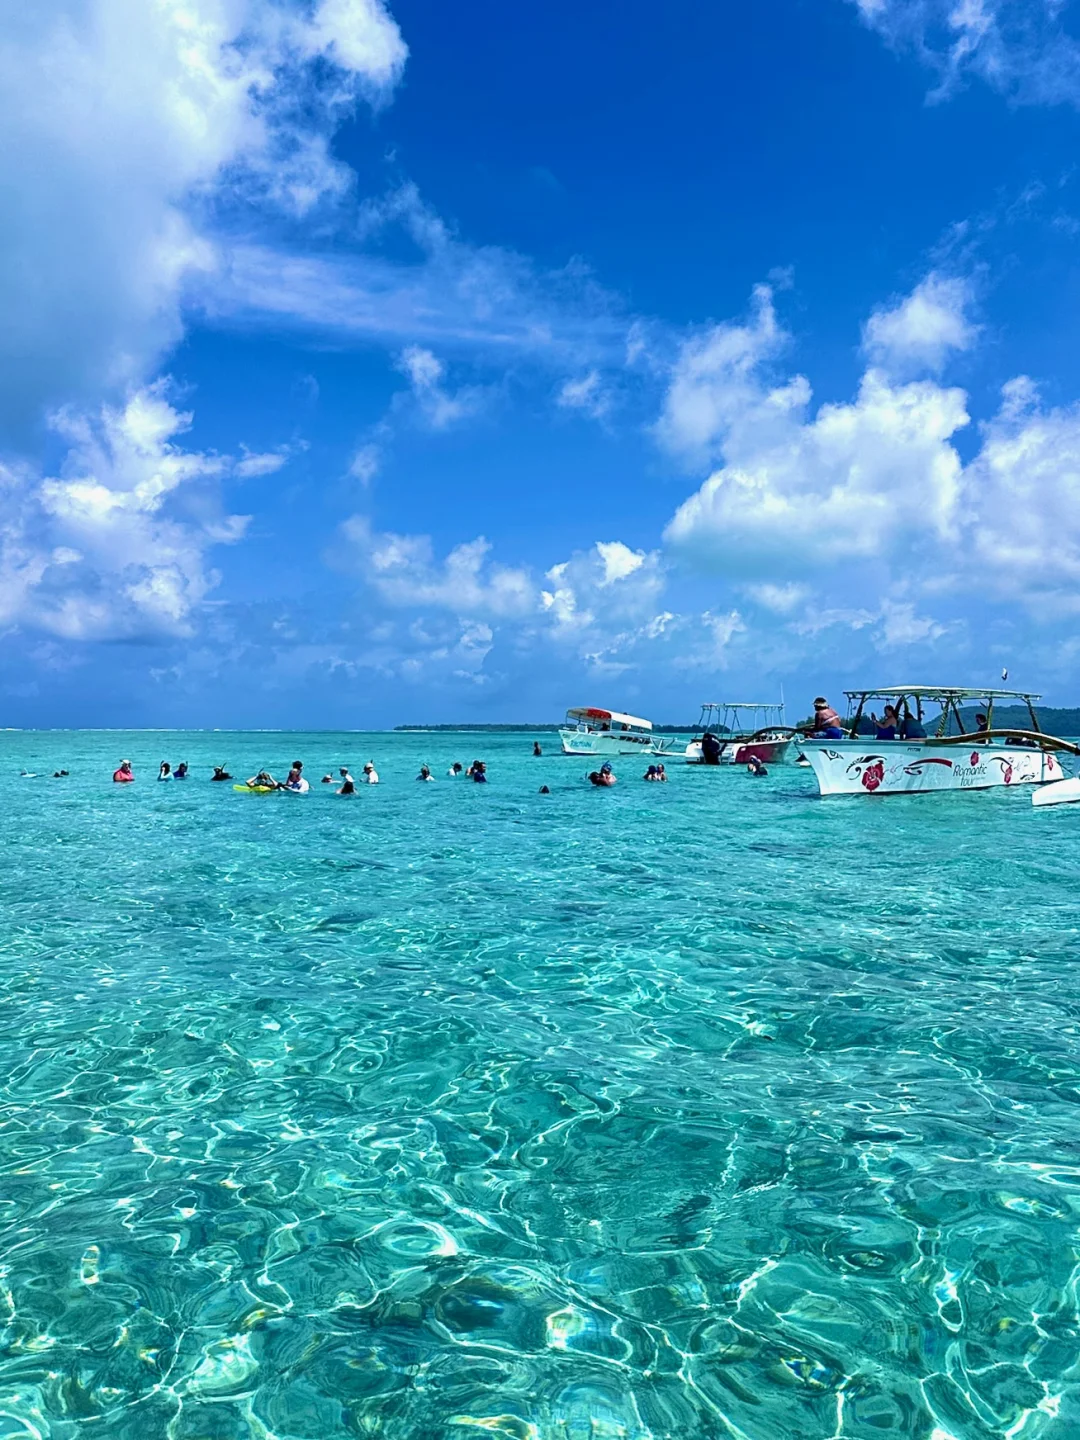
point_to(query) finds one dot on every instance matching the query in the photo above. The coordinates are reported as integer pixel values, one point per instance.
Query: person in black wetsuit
(710, 749)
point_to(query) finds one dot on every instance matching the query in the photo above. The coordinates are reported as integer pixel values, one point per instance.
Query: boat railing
(1027, 737)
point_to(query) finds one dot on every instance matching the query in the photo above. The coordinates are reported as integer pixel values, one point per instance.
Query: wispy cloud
(1018, 47)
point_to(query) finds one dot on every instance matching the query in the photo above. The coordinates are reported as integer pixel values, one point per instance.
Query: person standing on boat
(826, 721)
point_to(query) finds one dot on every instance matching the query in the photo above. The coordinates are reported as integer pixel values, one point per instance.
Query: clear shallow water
(710, 1109)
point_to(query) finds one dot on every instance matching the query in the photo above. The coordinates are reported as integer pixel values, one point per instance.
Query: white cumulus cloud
(921, 331)
(116, 544)
(123, 119)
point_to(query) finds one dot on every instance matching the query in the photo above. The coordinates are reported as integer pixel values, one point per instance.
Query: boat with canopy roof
(727, 738)
(591, 731)
(966, 759)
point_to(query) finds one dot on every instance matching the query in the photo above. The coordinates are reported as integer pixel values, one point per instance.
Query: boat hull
(900, 767)
(738, 752)
(585, 742)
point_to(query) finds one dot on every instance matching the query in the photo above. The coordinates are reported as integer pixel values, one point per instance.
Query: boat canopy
(611, 717)
(942, 693)
(949, 697)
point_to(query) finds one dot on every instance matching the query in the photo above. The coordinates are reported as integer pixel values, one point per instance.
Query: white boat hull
(1062, 792)
(898, 767)
(591, 742)
(769, 750)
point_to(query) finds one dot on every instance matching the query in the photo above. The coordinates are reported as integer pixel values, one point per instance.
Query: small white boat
(1061, 792)
(726, 738)
(591, 731)
(914, 762)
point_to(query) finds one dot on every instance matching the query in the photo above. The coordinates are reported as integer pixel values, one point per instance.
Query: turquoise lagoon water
(712, 1109)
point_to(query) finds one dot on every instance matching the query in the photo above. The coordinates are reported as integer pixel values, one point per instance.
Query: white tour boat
(589, 731)
(734, 742)
(915, 761)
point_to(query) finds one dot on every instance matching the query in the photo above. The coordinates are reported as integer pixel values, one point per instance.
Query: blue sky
(371, 363)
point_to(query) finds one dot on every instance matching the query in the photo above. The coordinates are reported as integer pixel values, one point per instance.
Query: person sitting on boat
(886, 727)
(263, 781)
(981, 724)
(911, 728)
(826, 721)
(710, 749)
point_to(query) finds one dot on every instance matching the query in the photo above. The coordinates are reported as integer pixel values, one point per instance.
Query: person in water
(456, 769)
(123, 776)
(604, 777)
(536, 748)
(348, 784)
(425, 773)
(327, 780)
(756, 766)
(650, 774)
(295, 778)
(59, 774)
(479, 772)
(369, 775)
(826, 721)
(710, 749)
(544, 790)
(180, 773)
(220, 773)
(887, 726)
(164, 771)
(661, 774)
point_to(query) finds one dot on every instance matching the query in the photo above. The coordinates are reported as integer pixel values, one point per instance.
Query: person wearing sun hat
(369, 775)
